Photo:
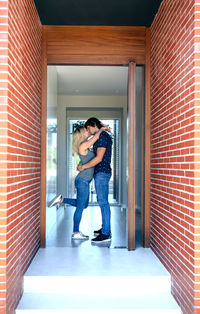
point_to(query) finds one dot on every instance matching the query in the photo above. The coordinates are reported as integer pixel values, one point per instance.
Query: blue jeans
(81, 202)
(101, 185)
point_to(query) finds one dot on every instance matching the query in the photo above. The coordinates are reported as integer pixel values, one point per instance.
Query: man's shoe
(97, 232)
(102, 238)
(57, 200)
(79, 236)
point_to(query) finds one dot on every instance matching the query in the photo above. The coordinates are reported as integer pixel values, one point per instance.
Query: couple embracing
(94, 164)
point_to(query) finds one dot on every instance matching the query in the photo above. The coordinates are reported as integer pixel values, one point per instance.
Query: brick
(20, 100)
(175, 145)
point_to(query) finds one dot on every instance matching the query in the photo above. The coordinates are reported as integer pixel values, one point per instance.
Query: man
(102, 174)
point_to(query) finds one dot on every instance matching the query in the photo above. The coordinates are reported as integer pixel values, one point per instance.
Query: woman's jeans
(101, 185)
(81, 202)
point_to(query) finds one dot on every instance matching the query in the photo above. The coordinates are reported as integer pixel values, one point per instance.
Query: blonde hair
(78, 138)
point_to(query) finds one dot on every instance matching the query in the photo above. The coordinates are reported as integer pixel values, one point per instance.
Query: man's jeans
(81, 202)
(101, 185)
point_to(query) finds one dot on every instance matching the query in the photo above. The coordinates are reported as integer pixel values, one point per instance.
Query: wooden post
(131, 154)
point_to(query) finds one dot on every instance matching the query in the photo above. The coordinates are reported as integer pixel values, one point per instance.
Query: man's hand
(80, 168)
(95, 161)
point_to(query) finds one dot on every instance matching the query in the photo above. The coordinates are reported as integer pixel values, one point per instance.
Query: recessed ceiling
(97, 12)
(92, 80)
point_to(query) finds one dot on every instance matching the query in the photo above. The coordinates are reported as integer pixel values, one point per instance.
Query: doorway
(66, 109)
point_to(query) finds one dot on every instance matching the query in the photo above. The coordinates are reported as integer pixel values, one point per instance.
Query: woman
(81, 146)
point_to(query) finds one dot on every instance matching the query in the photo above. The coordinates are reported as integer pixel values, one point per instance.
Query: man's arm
(96, 160)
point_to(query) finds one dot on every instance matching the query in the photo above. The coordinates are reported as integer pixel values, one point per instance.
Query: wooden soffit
(95, 44)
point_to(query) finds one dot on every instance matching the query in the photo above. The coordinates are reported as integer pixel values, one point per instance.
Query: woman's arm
(87, 144)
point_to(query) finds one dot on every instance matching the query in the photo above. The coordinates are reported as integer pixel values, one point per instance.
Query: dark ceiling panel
(97, 12)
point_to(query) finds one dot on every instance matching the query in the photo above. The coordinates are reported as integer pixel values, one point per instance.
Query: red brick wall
(20, 144)
(3, 145)
(175, 146)
(196, 93)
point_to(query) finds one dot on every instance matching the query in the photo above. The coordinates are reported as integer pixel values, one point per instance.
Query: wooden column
(143, 162)
(131, 154)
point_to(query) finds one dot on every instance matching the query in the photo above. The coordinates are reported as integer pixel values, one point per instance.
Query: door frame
(91, 57)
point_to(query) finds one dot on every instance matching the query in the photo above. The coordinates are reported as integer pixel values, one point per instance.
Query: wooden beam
(113, 45)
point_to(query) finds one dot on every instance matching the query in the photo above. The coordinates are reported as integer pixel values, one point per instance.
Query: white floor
(60, 226)
(78, 277)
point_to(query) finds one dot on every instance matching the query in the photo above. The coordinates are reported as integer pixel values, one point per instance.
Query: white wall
(51, 92)
(92, 101)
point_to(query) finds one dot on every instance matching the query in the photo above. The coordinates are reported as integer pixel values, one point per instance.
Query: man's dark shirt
(106, 142)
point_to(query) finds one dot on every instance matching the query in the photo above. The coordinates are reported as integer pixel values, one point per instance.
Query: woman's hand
(105, 128)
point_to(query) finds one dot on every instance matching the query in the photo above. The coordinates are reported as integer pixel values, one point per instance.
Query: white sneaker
(57, 200)
(79, 236)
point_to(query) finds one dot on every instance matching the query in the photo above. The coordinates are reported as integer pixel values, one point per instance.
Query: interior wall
(52, 93)
(175, 208)
(20, 66)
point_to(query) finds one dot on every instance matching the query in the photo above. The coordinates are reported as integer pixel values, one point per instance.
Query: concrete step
(77, 302)
(101, 285)
(96, 280)
(84, 294)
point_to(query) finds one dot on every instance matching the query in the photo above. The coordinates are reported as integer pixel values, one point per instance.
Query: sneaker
(79, 236)
(57, 200)
(98, 232)
(102, 238)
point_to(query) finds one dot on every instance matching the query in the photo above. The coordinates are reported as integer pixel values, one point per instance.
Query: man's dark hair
(93, 122)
